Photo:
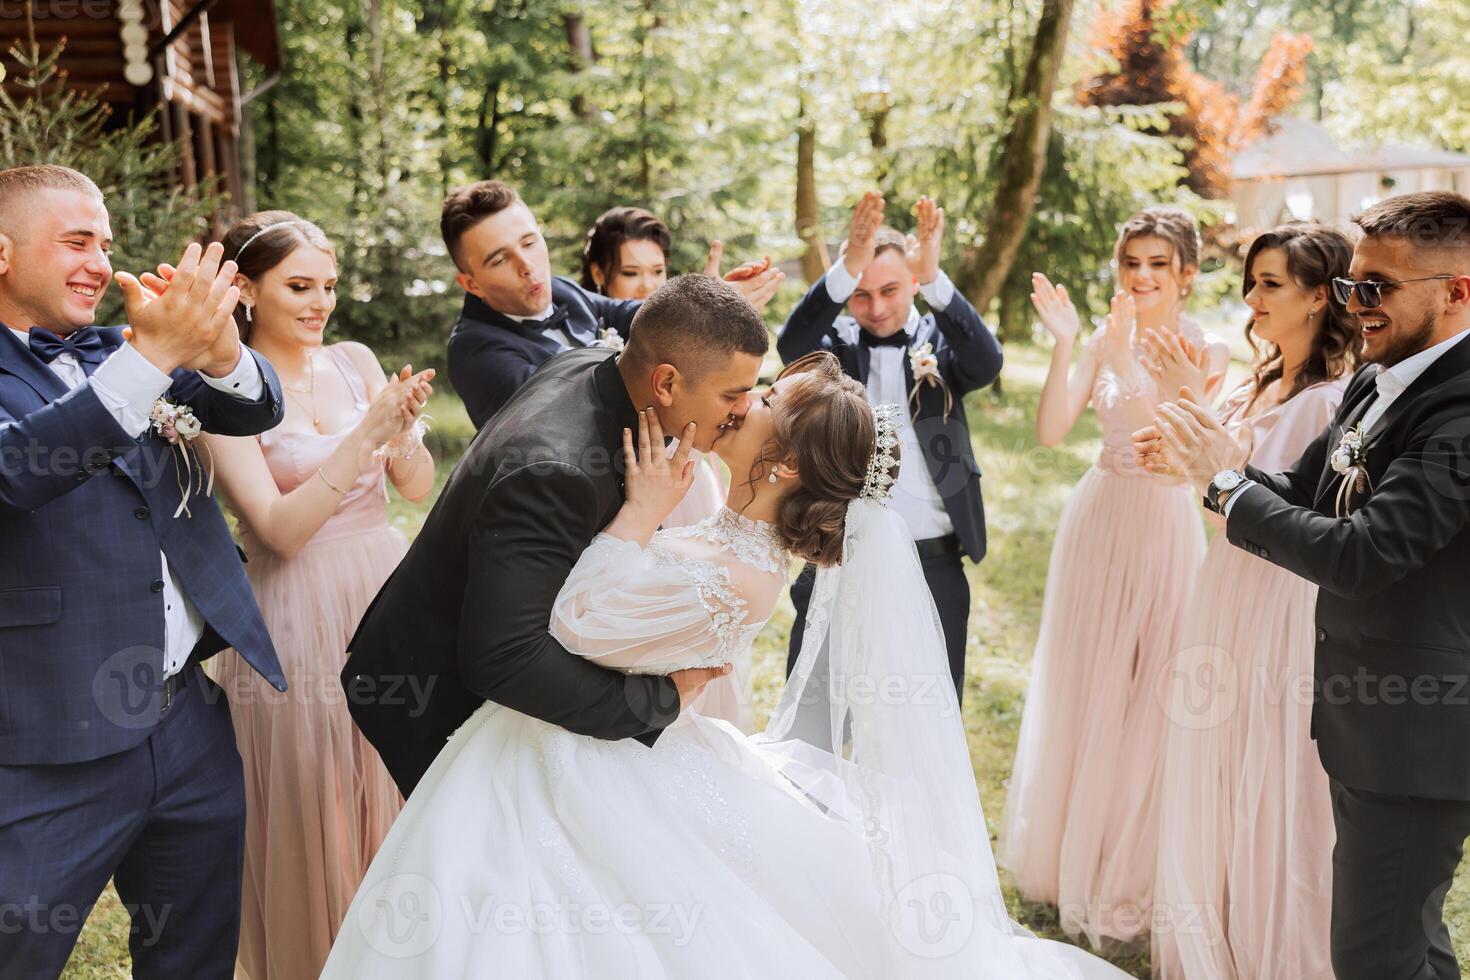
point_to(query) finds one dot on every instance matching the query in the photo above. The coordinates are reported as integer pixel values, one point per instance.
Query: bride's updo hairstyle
(823, 427)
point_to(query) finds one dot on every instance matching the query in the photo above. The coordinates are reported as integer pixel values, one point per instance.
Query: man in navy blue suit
(117, 578)
(516, 313)
(925, 362)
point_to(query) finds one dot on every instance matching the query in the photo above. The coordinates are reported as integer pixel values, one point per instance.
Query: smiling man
(926, 362)
(516, 313)
(117, 755)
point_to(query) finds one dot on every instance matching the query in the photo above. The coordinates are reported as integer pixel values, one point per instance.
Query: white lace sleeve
(647, 611)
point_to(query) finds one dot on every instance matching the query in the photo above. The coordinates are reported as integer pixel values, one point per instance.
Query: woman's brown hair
(823, 426)
(261, 241)
(1315, 255)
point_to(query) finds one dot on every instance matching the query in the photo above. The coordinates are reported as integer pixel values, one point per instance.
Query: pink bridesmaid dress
(318, 799)
(1079, 829)
(1246, 836)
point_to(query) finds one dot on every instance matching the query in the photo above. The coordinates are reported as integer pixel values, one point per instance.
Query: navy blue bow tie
(86, 345)
(900, 339)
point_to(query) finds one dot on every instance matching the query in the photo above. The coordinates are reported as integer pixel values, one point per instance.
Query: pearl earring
(772, 477)
(249, 317)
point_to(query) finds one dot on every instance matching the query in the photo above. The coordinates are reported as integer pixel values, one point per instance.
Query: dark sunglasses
(1369, 292)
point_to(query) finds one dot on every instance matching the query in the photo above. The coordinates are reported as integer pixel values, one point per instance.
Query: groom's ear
(665, 380)
(7, 252)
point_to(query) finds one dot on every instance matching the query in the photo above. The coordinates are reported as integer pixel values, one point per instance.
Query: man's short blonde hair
(19, 184)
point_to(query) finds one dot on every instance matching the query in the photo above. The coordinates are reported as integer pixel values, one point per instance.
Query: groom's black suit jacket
(1392, 711)
(465, 617)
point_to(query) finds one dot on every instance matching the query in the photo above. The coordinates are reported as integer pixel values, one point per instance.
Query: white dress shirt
(1390, 384)
(128, 385)
(915, 497)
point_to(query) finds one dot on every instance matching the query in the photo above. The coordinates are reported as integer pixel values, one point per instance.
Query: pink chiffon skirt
(1244, 879)
(1081, 820)
(319, 800)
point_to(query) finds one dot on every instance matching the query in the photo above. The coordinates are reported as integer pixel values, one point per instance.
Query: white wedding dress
(531, 853)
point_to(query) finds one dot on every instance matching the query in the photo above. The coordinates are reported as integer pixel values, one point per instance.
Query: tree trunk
(808, 208)
(487, 131)
(580, 55)
(1023, 157)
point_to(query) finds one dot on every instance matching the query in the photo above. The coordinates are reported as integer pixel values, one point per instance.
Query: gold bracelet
(330, 485)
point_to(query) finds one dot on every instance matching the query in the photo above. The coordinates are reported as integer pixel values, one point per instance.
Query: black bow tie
(900, 339)
(86, 345)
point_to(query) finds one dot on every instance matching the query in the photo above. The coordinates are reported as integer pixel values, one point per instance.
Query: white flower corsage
(610, 339)
(178, 426)
(1349, 460)
(924, 365)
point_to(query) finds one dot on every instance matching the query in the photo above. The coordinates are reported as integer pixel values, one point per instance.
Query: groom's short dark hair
(1427, 219)
(695, 323)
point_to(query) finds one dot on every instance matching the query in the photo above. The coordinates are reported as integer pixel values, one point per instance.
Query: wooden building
(183, 55)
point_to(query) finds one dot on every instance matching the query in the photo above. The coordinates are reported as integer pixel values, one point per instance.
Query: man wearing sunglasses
(1377, 513)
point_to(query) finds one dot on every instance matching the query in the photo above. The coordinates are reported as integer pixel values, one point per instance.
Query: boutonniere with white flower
(924, 365)
(610, 339)
(178, 426)
(1349, 460)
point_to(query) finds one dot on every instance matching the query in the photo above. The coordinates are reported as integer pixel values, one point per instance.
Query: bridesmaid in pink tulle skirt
(1245, 842)
(311, 499)
(1079, 829)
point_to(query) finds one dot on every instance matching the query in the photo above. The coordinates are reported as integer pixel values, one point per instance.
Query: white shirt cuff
(938, 293)
(1235, 495)
(127, 384)
(840, 282)
(244, 382)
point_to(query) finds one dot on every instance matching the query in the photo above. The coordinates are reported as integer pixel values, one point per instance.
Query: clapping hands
(1186, 441)
(183, 316)
(396, 408)
(923, 248)
(1174, 362)
(1055, 309)
(756, 281)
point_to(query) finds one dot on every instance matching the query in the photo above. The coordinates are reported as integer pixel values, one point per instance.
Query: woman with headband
(311, 499)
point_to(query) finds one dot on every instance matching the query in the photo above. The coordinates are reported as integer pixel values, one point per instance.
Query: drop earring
(772, 477)
(249, 316)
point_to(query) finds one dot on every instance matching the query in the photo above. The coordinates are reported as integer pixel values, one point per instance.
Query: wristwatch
(1224, 483)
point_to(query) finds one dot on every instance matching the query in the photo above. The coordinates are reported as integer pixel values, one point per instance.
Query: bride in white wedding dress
(531, 853)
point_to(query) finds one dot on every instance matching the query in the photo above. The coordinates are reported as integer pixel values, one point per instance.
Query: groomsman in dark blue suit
(117, 579)
(516, 313)
(925, 362)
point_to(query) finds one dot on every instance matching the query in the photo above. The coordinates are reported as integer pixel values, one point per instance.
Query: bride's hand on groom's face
(655, 482)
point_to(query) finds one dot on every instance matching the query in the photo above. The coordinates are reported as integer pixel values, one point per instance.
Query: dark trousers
(165, 820)
(1394, 861)
(945, 575)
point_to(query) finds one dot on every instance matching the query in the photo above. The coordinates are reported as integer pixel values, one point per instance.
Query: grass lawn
(1026, 487)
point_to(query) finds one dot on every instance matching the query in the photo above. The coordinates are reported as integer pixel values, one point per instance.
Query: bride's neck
(759, 501)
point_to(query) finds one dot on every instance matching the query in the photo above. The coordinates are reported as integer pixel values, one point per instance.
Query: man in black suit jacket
(465, 616)
(516, 313)
(884, 344)
(1377, 513)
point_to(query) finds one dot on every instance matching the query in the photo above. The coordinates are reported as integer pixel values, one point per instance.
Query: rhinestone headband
(251, 240)
(878, 485)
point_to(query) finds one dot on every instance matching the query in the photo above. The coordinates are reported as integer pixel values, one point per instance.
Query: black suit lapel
(530, 331)
(1363, 398)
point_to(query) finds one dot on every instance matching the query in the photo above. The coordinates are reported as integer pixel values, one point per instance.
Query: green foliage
(49, 121)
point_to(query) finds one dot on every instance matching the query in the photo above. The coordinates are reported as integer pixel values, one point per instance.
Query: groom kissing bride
(565, 810)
